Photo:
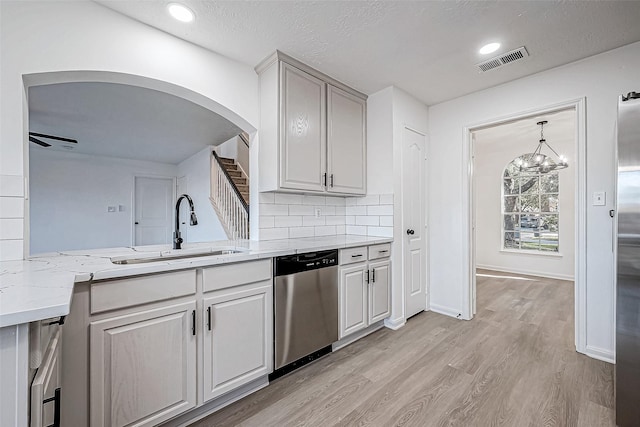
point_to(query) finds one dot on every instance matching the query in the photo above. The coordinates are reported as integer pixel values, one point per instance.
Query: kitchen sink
(173, 256)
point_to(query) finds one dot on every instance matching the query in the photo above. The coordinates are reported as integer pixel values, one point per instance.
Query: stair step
(227, 161)
(234, 174)
(240, 181)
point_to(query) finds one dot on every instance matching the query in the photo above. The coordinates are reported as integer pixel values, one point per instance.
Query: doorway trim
(133, 198)
(580, 226)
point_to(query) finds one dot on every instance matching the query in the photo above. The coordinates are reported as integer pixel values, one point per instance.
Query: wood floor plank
(514, 364)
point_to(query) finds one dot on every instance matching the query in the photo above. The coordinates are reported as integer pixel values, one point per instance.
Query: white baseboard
(600, 354)
(209, 408)
(525, 272)
(395, 324)
(447, 311)
(356, 336)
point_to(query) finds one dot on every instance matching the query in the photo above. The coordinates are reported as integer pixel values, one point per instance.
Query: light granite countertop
(41, 287)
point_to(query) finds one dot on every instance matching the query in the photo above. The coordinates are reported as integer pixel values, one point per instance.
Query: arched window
(529, 209)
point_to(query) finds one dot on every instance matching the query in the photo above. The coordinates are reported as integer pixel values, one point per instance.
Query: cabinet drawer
(114, 294)
(380, 251)
(351, 255)
(226, 276)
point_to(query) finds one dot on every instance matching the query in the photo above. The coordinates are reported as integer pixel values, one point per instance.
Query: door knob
(136, 223)
(410, 231)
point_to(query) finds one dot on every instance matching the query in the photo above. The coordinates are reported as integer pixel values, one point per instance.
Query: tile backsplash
(284, 215)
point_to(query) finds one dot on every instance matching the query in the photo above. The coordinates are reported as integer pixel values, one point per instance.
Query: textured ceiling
(427, 48)
(123, 121)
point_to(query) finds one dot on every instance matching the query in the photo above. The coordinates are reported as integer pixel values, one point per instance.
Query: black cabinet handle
(324, 179)
(373, 275)
(209, 317)
(356, 256)
(193, 323)
(367, 279)
(410, 231)
(332, 180)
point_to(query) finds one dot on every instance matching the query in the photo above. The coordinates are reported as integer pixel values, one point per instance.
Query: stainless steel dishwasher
(305, 308)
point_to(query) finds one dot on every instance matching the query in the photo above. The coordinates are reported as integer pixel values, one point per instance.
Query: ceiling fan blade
(57, 138)
(37, 141)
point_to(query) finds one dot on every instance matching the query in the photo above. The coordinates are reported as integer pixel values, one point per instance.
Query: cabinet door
(143, 366)
(303, 140)
(238, 340)
(353, 300)
(346, 142)
(45, 389)
(379, 290)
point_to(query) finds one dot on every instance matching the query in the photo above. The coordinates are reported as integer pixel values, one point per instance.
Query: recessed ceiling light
(489, 48)
(180, 12)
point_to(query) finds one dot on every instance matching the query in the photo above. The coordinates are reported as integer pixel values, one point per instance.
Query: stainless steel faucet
(177, 239)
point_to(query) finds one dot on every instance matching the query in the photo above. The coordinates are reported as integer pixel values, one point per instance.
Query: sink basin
(172, 256)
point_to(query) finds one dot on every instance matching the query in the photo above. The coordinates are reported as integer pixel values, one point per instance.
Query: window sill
(526, 252)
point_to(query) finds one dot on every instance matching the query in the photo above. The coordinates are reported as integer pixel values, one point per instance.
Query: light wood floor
(513, 365)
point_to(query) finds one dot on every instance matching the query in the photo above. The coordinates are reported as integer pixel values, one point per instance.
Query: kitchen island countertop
(42, 286)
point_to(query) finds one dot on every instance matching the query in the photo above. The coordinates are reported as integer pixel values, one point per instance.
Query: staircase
(230, 196)
(237, 175)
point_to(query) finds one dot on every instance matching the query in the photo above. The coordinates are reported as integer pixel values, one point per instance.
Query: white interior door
(413, 220)
(153, 210)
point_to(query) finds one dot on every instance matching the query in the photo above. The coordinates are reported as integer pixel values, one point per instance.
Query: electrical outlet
(111, 208)
(318, 211)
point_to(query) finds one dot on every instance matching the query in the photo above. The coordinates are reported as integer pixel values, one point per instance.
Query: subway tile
(359, 230)
(11, 186)
(266, 222)
(327, 230)
(288, 199)
(356, 210)
(351, 201)
(297, 232)
(386, 199)
(266, 198)
(300, 210)
(350, 220)
(371, 199)
(336, 220)
(313, 200)
(274, 233)
(11, 250)
(380, 210)
(380, 231)
(11, 207)
(312, 221)
(267, 209)
(288, 221)
(335, 201)
(341, 229)
(11, 229)
(326, 210)
(341, 210)
(367, 220)
(386, 221)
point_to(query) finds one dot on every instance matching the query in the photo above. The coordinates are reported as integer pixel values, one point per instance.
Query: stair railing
(229, 204)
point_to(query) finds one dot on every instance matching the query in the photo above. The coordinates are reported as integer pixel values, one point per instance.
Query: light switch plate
(599, 198)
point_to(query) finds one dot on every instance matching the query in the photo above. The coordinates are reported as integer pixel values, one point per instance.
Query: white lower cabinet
(353, 299)
(143, 366)
(365, 293)
(238, 337)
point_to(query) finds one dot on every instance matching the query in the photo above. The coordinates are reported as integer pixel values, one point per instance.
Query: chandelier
(537, 162)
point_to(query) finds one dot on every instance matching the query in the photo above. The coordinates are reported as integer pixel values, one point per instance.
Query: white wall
(228, 149)
(601, 79)
(50, 36)
(69, 195)
(196, 171)
(491, 156)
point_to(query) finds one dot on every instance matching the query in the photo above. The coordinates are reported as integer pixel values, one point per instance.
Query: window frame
(518, 213)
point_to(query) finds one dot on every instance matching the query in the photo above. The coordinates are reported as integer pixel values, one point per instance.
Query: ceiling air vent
(505, 58)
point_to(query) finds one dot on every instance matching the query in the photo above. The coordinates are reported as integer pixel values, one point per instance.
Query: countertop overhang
(41, 287)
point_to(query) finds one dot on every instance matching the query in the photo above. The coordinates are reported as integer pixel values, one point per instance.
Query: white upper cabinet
(346, 142)
(303, 130)
(312, 130)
